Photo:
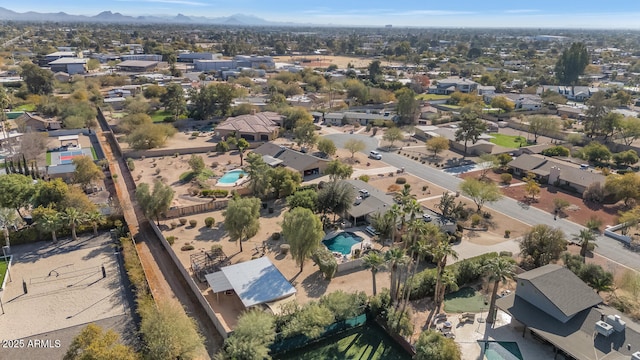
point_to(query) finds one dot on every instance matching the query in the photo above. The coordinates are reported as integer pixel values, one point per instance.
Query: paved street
(607, 247)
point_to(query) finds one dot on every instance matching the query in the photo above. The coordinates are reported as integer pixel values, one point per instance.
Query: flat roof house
(555, 172)
(70, 66)
(305, 164)
(559, 308)
(262, 126)
(453, 84)
(137, 65)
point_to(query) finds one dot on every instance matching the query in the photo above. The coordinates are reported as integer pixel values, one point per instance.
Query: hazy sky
(460, 13)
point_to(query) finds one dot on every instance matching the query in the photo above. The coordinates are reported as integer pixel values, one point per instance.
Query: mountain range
(111, 17)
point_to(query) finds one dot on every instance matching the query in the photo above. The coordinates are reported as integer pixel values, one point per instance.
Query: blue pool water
(342, 242)
(231, 176)
(502, 350)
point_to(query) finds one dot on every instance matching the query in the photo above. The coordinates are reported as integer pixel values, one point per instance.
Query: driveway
(607, 247)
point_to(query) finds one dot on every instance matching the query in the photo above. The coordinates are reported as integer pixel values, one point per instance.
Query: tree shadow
(315, 285)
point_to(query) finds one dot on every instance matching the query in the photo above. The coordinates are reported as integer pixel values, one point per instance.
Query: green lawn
(428, 97)
(158, 116)
(509, 141)
(25, 107)
(3, 270)
(49, 158)
(366, 342)
(464, 300)
(93, 153)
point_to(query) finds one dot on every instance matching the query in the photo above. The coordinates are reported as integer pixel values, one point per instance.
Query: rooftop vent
(635, 355)
(616, 322)
(603, 328)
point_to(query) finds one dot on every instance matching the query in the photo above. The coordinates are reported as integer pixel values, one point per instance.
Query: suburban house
(262, 126)
(305, 164)
(57, 55)
(190, 57)
(574, 93)
(373, 201)
(486, 90)
(453, 84)
(525, 102)
(116, 103)
(35, 122)
(142, 57)
(70, 66)
(571, 112)
(62, 77)
(560, 309)
(137, 65)
(555, 172)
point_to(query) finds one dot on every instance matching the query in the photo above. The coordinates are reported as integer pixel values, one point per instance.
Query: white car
(364, 193)
(426, 217)
(375, 155)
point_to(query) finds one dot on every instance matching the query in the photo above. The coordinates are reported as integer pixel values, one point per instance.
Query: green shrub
(401, 181)
(209, 221)
(131, 165)
(556, 151)
(193, 223)
(506, 178)
(476, 219)
(284, 249)
(326, 262)
(364, 178)
(275, 236)
(220, 193)
(171, 239)
(183, 221)
(507, 233)
(187, 247)
(174, 225)
(216, 248)
(506, 254)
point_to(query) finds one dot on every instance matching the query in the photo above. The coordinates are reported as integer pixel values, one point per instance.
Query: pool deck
(467, 336)
(236, 183)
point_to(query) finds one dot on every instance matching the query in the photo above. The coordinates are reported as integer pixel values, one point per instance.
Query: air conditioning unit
(603, 328)
(616, 322)
(635, 355)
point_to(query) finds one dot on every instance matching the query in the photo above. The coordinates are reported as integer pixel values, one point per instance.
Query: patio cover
(218, 282)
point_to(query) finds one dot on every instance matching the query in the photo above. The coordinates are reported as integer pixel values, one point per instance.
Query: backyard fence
(196, 209)
(350, 265)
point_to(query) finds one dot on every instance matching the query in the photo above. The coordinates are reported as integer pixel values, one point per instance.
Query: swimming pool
(502, 350)
(342, 242)
(230, 177)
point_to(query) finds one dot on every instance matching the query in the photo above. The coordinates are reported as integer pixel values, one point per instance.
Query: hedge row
(219, 193)
(30, 234)
(466, 271)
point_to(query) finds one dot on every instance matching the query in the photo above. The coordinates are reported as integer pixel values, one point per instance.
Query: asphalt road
(606, 246)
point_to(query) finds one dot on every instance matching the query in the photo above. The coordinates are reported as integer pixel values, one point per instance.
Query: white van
(375, 155)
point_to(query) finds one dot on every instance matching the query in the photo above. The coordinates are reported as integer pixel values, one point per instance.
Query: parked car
(426, 217)
(364, 193)
(375, 155)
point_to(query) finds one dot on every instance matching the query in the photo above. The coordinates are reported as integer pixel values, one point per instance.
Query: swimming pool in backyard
(342, 242)
(502, 350)
(230, 177)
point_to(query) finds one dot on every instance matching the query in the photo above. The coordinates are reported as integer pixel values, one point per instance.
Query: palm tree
(383, 224)
(95, 218)
(72, 217)
(394, 214)
(396, 261)
(499, 270)
(413, 209)
(375, 262)
(602, 283)
(441, 252)
(8, 217)
(50, 222)
(585, 238)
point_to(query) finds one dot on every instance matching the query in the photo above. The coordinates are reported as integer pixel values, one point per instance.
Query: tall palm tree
(586, 240)
(8, 217)
(376, 262)
(396, 260)
(498, 269)
(413, 209)
(441, 252)
(95, 218)
(395, 213)
(72, 218)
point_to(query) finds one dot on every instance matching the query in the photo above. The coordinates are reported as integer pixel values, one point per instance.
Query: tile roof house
(262, 126)
(555, 305)
(35, 122)
(555, 172)
(305, 164)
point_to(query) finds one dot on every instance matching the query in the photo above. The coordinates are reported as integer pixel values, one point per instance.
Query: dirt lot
(326, 60)
(388, 183)
(578, 212)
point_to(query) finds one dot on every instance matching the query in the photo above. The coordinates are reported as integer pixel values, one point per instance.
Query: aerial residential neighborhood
(189, 187)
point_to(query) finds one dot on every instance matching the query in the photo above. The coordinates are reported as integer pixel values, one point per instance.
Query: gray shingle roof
(378, 201)
(290, 158)
(563, 288)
